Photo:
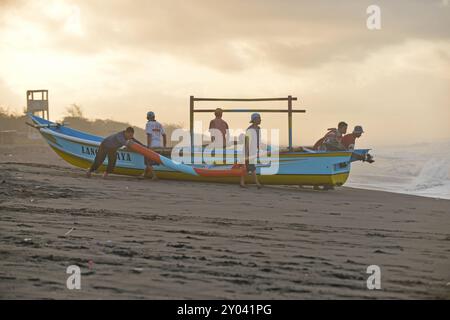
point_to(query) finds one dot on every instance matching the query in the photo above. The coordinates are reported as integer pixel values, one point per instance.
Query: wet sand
(140, 239)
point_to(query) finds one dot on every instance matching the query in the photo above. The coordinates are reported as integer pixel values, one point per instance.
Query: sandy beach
(140, 239)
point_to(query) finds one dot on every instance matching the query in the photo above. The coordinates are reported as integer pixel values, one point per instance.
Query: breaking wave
(423, 171)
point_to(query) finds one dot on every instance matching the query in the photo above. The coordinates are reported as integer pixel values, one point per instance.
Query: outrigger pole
(289, 111)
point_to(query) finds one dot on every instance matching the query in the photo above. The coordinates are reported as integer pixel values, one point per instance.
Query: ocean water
(422, 169)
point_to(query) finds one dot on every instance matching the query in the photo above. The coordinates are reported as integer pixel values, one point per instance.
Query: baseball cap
(358, 129)
(255, 116)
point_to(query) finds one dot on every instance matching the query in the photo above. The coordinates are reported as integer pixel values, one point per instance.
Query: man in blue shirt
(109, 147)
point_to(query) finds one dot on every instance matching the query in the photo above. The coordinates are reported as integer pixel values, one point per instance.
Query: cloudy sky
(119, 59)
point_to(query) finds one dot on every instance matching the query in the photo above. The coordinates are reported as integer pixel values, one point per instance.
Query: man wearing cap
(348, 141)
(219, 124)
(252, 156)
(155, 133)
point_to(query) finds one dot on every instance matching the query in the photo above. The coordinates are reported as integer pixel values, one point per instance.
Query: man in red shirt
(348, 141)
(219, 124)
(218, 128)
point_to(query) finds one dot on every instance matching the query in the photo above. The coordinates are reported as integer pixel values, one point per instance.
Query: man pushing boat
(108, 148)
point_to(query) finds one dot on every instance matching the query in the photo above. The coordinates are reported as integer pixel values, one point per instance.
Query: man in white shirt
(156, 138)
(253, 133)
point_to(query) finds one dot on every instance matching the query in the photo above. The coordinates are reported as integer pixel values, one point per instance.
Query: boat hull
(278, 179)
(294, 168)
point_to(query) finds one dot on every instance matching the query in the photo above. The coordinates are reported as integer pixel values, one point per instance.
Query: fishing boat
(295, 166)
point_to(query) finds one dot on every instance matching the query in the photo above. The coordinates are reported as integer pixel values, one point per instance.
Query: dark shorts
(251, 168)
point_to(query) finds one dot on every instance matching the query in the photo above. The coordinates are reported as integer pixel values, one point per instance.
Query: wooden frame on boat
(289, 111)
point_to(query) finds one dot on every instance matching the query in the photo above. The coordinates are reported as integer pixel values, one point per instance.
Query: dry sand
(169, 239)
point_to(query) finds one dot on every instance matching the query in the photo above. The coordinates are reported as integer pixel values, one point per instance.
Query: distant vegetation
(11, 121)
(74, 118)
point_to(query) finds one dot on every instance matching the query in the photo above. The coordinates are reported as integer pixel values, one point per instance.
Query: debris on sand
(137, 270)
(68, 232)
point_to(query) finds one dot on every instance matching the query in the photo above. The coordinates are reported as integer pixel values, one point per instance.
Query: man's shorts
(251, 168)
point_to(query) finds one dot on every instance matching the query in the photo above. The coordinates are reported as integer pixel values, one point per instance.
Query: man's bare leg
(147, 172)
(154, 177)
(150, 173)
(105, 175)
(255, 178)
(242, 183)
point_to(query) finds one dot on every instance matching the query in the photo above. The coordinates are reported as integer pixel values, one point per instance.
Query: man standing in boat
(218, 128)
(156, 138)
(108, 147)
(251, 148)
(221, 125)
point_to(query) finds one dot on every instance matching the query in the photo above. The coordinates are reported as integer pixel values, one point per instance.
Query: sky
(120, 59)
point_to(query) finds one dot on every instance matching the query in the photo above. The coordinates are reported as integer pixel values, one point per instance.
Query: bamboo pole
(290, 121)
(244, 100)
(252, 110)
(191, 125)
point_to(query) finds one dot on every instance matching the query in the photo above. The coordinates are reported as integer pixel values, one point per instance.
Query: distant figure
(108, 147)
(155, 133)
(254, 131)
(219, 124)
(332, 141)
(348, 141)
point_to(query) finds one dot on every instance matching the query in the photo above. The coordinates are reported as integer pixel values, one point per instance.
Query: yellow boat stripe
(285, 179)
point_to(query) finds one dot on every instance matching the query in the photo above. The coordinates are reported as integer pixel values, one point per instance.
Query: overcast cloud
(111, 55)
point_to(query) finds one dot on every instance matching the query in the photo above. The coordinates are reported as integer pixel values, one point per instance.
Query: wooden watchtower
(37, 102)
